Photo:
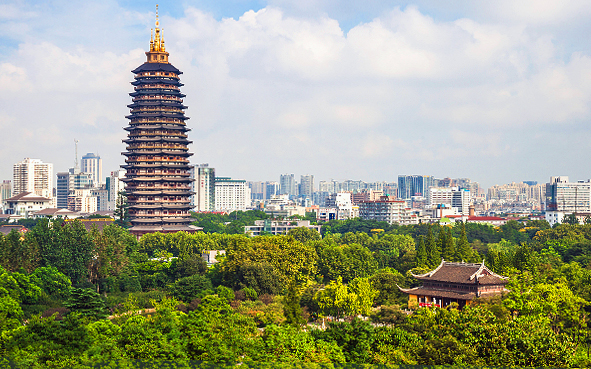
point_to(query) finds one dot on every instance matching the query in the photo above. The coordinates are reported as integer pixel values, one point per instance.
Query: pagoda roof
(158, 79)
(159, 102)
(156, 67)
(462, 273)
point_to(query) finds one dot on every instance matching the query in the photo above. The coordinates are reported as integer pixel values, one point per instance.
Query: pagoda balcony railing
(152, 137)
(157, 165)
(156, 148)
(165, 174)
(156, 159)
(153, 120)
(159, 214)
(166, 74)
(146, 134)
(151, 97)
(158, 188)
(159, 86)
(159, 202)
(158, 110)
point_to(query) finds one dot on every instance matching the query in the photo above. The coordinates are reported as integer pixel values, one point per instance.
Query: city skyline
(492, 92)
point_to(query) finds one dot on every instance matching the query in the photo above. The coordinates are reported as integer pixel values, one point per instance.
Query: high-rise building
(114, 186)
(5, 190)
(93, 164)
(257, 190)
(231, 194)
(67, 183)
(204, 185)
(455, 197)
(307, 186)
(287, 185)
(33, 175)
(415, 185)
(567, 197)
(271, 189)
(158, 183)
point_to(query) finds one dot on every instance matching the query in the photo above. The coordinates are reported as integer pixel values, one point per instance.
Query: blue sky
(494, 91)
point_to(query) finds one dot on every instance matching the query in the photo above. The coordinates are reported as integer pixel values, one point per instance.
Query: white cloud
(271, 92)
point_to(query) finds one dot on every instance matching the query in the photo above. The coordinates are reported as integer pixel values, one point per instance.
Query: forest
(76, 298)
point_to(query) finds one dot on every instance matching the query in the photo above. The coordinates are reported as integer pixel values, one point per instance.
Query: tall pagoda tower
(157, 183)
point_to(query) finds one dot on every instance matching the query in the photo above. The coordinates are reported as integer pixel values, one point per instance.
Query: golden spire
(157, 53)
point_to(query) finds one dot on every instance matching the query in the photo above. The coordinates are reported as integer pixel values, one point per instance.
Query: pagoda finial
(157, 53)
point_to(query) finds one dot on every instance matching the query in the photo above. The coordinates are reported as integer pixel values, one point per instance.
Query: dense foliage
(75, 298)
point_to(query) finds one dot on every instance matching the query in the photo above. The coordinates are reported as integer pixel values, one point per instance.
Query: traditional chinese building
(455, 282)
(157, 182)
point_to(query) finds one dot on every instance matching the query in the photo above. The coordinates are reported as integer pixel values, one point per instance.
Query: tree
(86, 302)
(121, 212)
(446, 243)
(304, 234)
(188, 288)
(422, 259)
(66, 246)
(463, 250)
(570, 219)
(433, 250)
(291, 306)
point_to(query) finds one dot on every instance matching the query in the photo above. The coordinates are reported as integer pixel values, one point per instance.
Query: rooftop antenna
(76, 168)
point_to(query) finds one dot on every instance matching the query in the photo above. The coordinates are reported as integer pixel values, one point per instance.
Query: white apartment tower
(33, 175)
(92, 164)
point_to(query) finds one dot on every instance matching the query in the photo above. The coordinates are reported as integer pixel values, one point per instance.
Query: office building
(231, 194)
(67, 183)
(93, 164)
(204, 188)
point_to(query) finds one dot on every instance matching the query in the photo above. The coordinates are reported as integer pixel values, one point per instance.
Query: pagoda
(455, 282)
(157, 182)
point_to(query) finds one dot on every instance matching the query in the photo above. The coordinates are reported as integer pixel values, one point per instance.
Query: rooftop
(462, 273)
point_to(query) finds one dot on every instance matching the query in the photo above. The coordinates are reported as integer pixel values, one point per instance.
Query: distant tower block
(158, 182)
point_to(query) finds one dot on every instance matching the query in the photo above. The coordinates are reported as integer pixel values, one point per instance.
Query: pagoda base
(139, 231)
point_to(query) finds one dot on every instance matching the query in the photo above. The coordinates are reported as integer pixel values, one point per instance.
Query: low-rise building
(386, 209)
(277, 227)
(25, 204)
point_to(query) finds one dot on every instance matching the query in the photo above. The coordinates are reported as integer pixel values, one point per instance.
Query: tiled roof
(6, 229)
(485, 219)
(98, 223)
(27, 196)
(464, 273)
(54, 211)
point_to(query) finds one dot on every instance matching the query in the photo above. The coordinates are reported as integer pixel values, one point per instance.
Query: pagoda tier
(158, 182)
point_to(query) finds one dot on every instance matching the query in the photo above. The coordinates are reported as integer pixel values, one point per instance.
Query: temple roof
(463, 273)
